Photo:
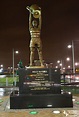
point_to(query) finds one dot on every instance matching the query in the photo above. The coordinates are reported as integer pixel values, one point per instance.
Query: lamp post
(60, 62)
(13, 65)
(73, 58)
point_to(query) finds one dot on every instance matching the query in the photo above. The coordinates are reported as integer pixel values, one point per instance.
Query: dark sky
(60, 25)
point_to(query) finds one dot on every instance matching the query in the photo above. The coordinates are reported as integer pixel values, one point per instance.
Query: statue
(20, 65)
(35, 28)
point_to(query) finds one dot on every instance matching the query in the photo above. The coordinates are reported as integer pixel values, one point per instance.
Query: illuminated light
(8, 106)
(73, 100)
(68, 77)
(27, 78)
(30, 106)
(1, 100)
(77, 69)
(58, 61)
(0, 70)
(55, 70)
(60, 64)
(69, 66)
(1, 65)
(77, 78)
(76, 81)
(76, 64)
(77, 103)
(16, 52)
(69, 46)
(62, 92)
(69, 92)
(49, 105)
(56, 67)
(11, 67)
(56, 112)
(68, 59)
(33, 112)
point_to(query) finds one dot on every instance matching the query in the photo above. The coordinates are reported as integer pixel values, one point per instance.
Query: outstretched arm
(30, 21)
(40, 22)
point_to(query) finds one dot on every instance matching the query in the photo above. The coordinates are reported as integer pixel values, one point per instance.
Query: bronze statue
(35, 28)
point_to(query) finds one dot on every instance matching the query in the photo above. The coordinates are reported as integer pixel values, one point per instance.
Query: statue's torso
(35, 33)
(35, 37)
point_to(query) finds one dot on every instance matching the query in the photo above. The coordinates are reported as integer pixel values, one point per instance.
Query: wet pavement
(5, 110)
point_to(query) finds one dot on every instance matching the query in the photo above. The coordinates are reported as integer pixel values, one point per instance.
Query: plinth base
(25, 101)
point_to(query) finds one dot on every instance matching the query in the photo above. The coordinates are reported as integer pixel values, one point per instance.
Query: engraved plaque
(40, 80)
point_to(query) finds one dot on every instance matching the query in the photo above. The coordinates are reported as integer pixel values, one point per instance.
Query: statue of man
(35, 28)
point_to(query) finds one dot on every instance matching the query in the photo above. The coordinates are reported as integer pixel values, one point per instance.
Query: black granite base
(39, 81)
(25, 101)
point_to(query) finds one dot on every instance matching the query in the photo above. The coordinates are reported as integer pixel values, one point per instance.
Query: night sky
(60, 25)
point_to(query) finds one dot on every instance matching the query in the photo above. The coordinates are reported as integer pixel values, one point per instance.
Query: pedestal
(25, 101)
(39, 88)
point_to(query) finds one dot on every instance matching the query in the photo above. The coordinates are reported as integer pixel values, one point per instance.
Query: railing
(69, 79)
(70, 82)
(8, 80)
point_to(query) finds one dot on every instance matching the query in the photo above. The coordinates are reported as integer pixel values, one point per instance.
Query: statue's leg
(40, 55)
(32, 49)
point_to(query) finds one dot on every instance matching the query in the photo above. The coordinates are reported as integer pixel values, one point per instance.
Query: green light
(27, 78)
(30, 106)
(1, 100)
(33, 112)
(77, 102)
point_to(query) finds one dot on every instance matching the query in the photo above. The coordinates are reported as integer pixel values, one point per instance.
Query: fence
(8, 80)
(69, 82)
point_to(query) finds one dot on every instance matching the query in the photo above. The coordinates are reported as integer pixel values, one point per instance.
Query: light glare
(56, 111)
(69, 46)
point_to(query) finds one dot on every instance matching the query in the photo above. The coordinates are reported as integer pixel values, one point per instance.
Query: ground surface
(5, 110)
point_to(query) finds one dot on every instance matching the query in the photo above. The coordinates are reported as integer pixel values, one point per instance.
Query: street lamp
(69, 66)
(60, 64)
(76, 64)
(68, 59)
(58, 61)
(56, 66)
(73, 61)
(2, 65)
(69, 46)
(13, 65)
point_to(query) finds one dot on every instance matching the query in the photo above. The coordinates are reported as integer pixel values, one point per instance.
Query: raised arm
(30, 17)
(40, 20)
(30, 21)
